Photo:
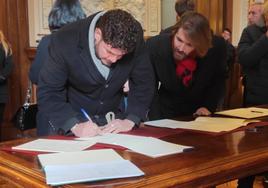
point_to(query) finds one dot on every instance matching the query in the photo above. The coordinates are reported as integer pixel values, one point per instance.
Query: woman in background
(62, 13)
(5, 70)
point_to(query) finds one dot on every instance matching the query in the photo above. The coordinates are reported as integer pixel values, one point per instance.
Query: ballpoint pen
(254, 111)
(85, 114)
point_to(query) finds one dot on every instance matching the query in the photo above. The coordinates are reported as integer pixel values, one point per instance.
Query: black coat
(253, 56)
(40, 58)
(69, 80)
(173, 99)
(5, 70)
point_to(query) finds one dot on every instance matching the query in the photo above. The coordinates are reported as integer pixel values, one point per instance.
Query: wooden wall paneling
(23, 40)
(213, 10)
(15, 23)
(3, 16)
(228, 14)
(14, 79)
(203, 7)
(216, 15)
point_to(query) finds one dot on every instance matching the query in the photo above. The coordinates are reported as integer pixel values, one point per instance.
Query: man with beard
(82, 79)
(255, 14)
(190, 70)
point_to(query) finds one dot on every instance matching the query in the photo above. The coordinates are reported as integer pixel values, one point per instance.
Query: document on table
(52, 145)
(148, 146)
(85, 166)
(247, 113)
(209, 124)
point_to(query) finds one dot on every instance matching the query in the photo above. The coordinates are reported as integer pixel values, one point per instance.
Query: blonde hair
(5, 44)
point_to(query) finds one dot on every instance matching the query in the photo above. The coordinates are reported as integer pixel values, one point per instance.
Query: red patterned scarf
(185, 69)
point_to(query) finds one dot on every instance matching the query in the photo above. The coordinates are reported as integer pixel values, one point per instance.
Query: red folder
(142, 131)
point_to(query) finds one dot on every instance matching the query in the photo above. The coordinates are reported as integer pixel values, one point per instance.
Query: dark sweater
(253, 56)
(173, 99)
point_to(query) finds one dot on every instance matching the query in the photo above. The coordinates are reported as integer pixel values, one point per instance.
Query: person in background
(252, 52)
(181, 6)
(5, 70)
(89, 62)
(226, 34)
(62, 13)
(191, 71)
(255, 17)
(253, 57)
(255, 14)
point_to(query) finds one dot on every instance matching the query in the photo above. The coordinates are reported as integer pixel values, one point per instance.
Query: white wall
(168, 17)
(240, 11)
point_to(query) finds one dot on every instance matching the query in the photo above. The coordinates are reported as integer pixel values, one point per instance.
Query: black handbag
(25, 117)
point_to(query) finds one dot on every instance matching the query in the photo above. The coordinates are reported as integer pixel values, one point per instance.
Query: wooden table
(215, 160)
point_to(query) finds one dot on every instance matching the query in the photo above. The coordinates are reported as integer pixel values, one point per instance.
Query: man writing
(89, 62)
(190, 72)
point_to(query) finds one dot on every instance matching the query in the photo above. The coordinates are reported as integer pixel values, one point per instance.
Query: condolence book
(86, 166)
(247, 113)
(208, 124)
(52, 145)
(149, 146)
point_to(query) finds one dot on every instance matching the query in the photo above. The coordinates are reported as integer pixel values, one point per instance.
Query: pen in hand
(86, 114)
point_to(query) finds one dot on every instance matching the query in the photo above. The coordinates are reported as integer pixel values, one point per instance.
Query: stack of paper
(209, 124)
(246, 113)
(149, 146)
(84, 166)
(51, 145)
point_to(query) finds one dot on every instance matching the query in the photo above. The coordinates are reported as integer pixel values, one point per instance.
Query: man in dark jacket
(89, 62)
(191, 73)
(253, 57)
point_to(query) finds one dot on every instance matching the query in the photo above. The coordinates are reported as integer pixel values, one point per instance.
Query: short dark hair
(64, 12)
(119, 29)
(228, 30)
(182, 6)
(197, 29)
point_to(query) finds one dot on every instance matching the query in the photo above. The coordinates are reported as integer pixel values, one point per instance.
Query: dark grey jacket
(69, 80)
(173, 99)
(253, 56)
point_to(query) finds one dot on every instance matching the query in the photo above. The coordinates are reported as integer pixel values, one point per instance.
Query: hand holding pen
(86, 114)
(86, 129)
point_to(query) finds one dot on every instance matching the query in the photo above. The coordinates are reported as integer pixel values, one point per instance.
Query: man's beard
(261, 22)
(179, 55)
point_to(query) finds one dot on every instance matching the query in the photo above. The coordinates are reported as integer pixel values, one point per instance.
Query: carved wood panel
(147, 12)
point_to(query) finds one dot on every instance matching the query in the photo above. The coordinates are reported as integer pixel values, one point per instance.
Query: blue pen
(85, 114)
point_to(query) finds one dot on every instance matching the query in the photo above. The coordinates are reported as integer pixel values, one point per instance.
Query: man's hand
(86, 129)
(117, 126)
(202, 112)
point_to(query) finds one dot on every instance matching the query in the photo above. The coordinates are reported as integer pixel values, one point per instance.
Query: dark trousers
(246, 182)
(2, 109)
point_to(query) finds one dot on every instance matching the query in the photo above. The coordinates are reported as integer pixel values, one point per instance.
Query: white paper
(149, 146)
(209, 124)
(73, 158)
(52, 145)
(84, 166)
(246, 113)
(59, 175)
